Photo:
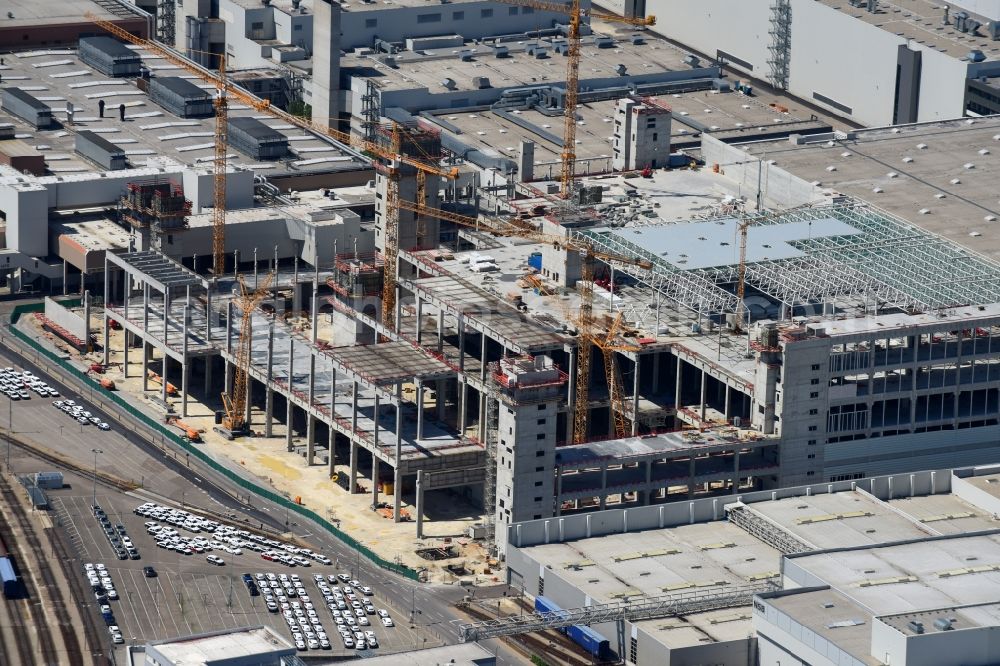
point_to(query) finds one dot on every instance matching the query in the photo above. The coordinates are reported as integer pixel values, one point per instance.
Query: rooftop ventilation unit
(976, 56)
(481, 82)
(637, 39)
(620, 69)
(466, 55)
(872, 6)
(993, 28)
(692, 60)
(449, 84)
(604, 42)
(501, 52)
(536, 51)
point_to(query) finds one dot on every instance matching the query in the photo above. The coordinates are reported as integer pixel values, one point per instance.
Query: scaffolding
(357, 275)
(165, 18)
(159, 206)
(643, 608)
(781, 43)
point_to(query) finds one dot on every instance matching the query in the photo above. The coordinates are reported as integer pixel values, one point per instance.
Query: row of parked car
(229, 539)
(79, 414)
(15, 385)
(117, 536)
(350, 604)
(104, 590)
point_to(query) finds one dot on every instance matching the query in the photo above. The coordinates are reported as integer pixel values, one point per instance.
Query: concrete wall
(66, 318)
(199, 187)
(659, 516)
(974, 495)
(780, 188)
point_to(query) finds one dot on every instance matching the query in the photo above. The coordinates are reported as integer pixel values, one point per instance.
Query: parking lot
(189, 595)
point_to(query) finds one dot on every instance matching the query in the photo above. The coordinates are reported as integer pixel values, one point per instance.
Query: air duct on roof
(449, 84)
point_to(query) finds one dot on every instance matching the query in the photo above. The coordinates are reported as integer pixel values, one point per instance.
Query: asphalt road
(166, 470)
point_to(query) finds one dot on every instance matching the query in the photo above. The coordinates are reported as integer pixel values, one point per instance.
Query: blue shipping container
(535, 260)
(11, 584)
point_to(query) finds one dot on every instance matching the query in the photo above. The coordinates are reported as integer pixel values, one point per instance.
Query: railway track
(22, 651)
(73, 655)
(551, 646)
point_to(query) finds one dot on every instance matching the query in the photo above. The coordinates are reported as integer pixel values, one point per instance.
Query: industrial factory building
(882, 63)
(897, 569)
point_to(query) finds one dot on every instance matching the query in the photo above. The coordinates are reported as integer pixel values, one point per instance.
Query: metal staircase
(781, 43)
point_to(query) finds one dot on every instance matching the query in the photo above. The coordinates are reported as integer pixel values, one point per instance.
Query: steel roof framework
(890, 261)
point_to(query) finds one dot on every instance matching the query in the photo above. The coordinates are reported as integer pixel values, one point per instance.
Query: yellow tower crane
(576, 14)
(585, 340)
(610, 344)
(392, 156)
(235, 404)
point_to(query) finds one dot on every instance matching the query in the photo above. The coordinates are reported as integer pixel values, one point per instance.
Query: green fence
(167, 433)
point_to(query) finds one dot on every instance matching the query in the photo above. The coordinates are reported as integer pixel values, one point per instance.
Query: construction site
(427, 351)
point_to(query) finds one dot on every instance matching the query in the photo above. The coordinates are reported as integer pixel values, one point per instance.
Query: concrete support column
(310, 438)
(420, 504)
(249, 402)
(571, 389)
(396, 325)
(163, 376)
(482, 417)
(185, 371)
(208, 374)
(289, 412)
(269, 391)
(461, 342)
(420, 409)
(704, 398)
(375, 474)
(690, 482)
(354, 467)
(107, 331)
(375, 419)
(727, 403)
(208, 313)
(635, 397)
(166, 316)
(296, 290)
(483, 346)
(419, 328)
(440, 323)
(397, 470)
(65, 278)
(463, 396)
(288, 424)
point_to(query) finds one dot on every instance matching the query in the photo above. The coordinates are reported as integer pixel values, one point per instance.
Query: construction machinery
(157, 379)
(576, 14)
(235, 404)
(192, 433)
(610, 344)
(585, 287)
(390, 158)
